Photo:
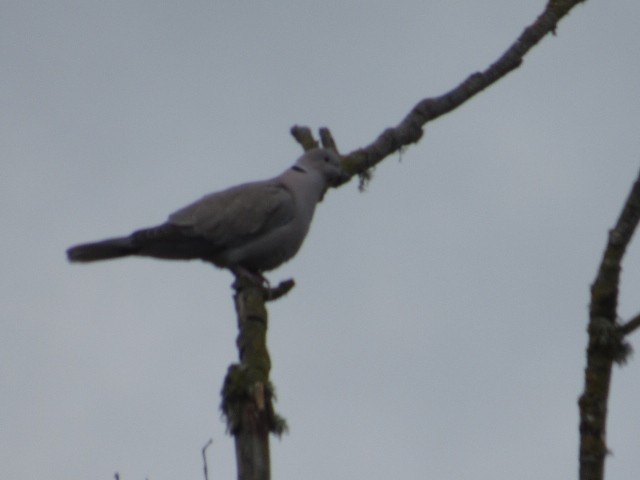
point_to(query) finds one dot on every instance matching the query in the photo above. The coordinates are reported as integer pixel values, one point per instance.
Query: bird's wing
(232, 217)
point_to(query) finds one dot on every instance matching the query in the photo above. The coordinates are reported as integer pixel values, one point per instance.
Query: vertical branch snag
(606, 342)
(247, 393)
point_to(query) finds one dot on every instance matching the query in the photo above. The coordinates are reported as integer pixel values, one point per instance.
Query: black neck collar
(298, 168)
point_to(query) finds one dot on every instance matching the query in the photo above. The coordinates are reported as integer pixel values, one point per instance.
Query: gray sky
(437, 329)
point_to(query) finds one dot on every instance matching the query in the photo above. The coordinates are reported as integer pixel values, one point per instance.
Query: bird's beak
(339, 178)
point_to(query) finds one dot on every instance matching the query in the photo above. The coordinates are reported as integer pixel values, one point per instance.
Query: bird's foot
(244, 276)
(255, 278)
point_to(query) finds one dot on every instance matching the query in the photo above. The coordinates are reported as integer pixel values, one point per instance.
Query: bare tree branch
(247, 393)
(410, 129)
(606, 341)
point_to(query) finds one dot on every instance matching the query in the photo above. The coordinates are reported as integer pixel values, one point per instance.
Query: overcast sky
(437, 329)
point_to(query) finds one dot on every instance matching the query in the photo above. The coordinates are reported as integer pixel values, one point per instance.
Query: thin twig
(304, 137)
(204, 458)
(630, 326)
(282, 289)
(327, 139)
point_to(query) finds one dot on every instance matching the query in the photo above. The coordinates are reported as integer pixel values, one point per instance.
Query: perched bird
(253, 227)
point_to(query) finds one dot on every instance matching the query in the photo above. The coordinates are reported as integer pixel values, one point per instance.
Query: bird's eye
(326, 159)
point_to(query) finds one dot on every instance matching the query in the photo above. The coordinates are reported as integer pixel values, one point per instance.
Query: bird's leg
(253, 277)
(256, 278)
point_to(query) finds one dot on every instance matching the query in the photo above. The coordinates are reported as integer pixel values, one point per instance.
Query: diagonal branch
(410, 129)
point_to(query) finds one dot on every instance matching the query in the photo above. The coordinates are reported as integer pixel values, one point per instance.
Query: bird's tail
(104, 250)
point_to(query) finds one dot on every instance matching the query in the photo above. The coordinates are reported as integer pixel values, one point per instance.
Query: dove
(250, 228)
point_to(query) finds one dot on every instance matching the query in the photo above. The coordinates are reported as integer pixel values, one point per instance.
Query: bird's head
(325, 162)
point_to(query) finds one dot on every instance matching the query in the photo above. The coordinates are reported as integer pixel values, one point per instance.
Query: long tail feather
(104, 250)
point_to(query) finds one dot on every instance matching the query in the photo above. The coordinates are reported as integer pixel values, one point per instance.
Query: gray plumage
(255, 226)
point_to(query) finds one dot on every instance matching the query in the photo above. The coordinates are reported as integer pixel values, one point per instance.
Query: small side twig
(327, 139)
(204, 458)
(282, 289)
(304, 137)
(631, 326)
